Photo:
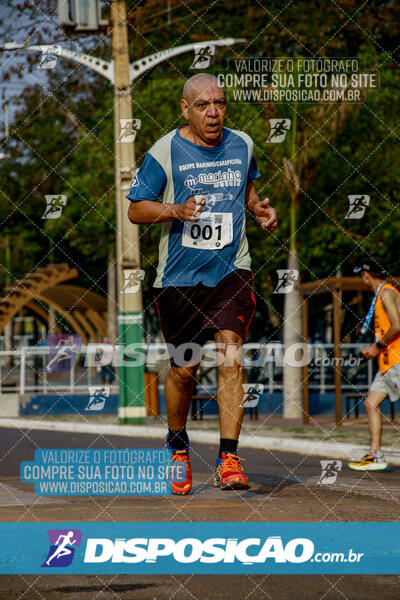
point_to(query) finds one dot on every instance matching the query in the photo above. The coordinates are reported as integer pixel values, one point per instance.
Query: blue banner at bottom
(200, 548)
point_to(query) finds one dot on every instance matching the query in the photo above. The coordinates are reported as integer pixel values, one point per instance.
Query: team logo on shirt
(221, 178)
(135, 182)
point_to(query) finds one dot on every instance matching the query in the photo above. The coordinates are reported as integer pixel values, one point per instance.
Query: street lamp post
(130, 318)
(122, 74)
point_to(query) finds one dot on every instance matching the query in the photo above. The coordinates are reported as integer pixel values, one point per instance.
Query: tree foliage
(62, 141)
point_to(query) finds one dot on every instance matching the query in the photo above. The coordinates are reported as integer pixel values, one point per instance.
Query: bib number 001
(206, 232)
(212, 233)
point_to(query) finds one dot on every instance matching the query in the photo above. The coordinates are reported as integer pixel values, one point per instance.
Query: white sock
(377, 453)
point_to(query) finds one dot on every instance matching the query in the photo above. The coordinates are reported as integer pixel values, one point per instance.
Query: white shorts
(388, 383)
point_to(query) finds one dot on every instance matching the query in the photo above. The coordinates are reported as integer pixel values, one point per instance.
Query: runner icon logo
(55, 205)
(357, 207)
(48, 60)
(330, 470)
(62, 547)
(252, 393)
(202, 56)
(63, 348)
(286, 280)
(98, 397)
(279, 129)
(128, 130)
(132, 280)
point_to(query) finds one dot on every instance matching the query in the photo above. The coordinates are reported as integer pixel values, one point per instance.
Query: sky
(35, 25)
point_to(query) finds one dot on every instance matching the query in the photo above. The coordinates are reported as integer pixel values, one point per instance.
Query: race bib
(213, 232)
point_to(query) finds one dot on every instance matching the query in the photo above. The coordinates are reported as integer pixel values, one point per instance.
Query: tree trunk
(292, 383)
(111, 299)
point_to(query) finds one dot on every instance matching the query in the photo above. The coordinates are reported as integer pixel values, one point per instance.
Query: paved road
(284, 488)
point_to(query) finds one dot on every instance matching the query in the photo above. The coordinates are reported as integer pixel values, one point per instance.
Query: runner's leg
(179, 385)
(231, 376)
(228, 470)
(372, 406)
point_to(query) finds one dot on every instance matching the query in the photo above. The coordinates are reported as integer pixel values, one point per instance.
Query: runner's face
(366, 278)
(206, 111)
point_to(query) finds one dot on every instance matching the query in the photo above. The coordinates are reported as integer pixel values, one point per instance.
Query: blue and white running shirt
(209, 249)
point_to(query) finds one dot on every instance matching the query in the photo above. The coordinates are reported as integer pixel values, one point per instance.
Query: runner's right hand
(191, 209)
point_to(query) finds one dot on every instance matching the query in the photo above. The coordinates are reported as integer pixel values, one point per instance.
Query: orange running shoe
(229, 474)
(182, 487)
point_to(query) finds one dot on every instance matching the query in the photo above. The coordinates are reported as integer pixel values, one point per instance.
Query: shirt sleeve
(150, 181)
(253, 171)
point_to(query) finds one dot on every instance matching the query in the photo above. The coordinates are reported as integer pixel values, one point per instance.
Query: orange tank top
(389, 356)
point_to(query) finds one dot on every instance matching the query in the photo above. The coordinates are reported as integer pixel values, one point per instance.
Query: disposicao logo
(191, 550)
(62, 547)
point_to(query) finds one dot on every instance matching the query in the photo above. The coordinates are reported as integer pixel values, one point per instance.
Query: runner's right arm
(149, 211)
(149, 185)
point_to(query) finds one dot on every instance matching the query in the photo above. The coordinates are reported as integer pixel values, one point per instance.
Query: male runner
(385, 309)
(204, 282)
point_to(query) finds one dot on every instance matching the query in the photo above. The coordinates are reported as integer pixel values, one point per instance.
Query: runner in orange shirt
(385, 309)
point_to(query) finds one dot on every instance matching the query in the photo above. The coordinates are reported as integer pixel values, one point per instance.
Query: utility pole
(130, 318)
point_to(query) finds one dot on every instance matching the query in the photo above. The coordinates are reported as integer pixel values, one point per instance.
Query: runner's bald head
(198, 83)
(204, 108)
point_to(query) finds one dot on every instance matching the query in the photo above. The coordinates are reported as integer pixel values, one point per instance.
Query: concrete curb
(337, 449)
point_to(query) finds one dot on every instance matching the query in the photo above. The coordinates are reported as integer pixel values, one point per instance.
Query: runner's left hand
(370, 351)
(266, 215)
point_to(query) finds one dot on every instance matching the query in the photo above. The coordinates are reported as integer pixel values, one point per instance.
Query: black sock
(227, 445)
(178, 439)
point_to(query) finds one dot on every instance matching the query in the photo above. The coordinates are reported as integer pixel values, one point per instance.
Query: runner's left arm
(264, 213)
(390, 304)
